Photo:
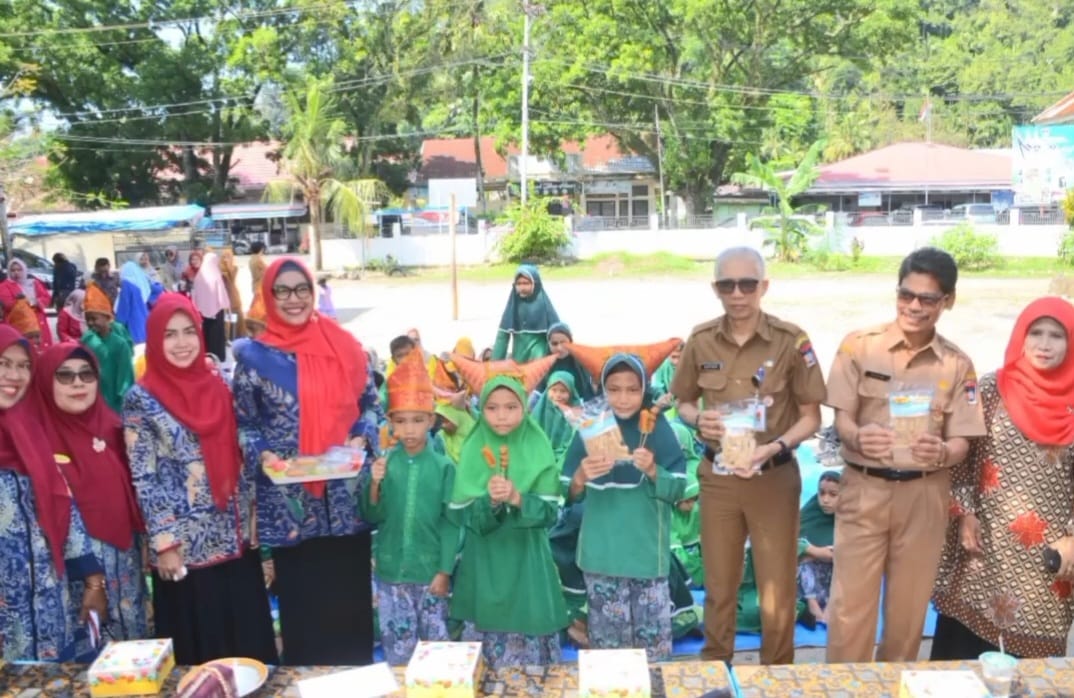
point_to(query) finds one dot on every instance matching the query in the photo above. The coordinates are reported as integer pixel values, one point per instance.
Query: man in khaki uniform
(748, 354)
(892, 514)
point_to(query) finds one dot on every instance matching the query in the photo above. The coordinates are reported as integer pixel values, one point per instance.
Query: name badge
(712, 366)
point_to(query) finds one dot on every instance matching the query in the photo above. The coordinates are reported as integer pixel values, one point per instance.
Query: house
(913, 174)
(602, 181)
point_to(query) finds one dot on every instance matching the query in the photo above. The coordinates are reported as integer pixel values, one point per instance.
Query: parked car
(905, 214)
(39, 268)
(974, 213)
(868, 218)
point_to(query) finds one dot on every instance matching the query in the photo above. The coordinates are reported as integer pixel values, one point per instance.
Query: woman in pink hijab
(209, 293)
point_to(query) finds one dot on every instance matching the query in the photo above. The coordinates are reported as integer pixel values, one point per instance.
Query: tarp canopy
(130, 220)
(245, 212)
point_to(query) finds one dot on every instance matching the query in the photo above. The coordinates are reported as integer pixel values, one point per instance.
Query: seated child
(416, 540)
(817, 529)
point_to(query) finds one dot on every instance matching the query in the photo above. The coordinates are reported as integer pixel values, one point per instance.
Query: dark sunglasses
(927, 300)
(67, 377)
(301, 292)
(727, 286)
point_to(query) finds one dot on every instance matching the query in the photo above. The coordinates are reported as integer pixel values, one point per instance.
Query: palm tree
(312, 158)
(786, 230)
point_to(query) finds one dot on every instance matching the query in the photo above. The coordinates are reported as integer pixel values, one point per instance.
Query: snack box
(613, 673)
(134, 668)
(444, 670)
(336, 463)
(941, 684)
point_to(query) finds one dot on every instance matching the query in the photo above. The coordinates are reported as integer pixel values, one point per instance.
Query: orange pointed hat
(652, 355)
(96, 301)
(21, 317)
(257, 313)
(409, 387)
(477, 373)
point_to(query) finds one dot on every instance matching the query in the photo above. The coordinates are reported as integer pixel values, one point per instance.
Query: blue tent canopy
(245, 212)
(130, 220)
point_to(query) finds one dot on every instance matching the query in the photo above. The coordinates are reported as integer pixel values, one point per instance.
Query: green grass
(662, 264)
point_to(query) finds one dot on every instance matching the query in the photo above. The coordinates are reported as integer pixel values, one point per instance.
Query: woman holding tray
(302, 387)
(1014, 495)
(43, 542)
(208, 590)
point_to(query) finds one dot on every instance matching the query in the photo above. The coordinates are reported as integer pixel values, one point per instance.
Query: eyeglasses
(16, 367)
(727, 286)
(927, 300)
(301, 292)
(67, 377)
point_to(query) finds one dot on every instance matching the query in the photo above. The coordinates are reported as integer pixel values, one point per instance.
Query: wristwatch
(784, 449)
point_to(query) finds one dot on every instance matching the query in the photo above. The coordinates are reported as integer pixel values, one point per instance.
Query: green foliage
(972, 251)
(1066, 248)
(536, 235)
(1068, 207)
(787, 230)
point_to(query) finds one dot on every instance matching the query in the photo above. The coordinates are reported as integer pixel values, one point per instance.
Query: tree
(312, 158)
(787, 231)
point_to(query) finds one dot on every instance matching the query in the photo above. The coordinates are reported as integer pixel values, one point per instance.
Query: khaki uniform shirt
(872, 363)
(715, 368)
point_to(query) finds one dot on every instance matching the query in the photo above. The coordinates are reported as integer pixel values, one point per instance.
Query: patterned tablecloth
(1040, 678)
(670, 680)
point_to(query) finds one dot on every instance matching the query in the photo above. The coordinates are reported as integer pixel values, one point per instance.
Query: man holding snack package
(906, 405)
(761, 388)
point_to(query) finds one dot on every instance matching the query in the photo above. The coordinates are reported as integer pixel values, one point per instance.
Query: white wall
(884, 241)
(82, 249)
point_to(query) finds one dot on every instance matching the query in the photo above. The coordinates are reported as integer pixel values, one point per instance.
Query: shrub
(1066, 248)
(972, 251)
(536, 235)
(825, 259)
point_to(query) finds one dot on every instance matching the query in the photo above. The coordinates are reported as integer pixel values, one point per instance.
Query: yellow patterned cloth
(1036, 677)
(669, 680)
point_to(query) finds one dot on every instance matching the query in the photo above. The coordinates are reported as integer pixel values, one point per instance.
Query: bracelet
(102, 585)
(942, 462)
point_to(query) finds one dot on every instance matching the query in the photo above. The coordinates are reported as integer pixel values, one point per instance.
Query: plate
(337, 463)
(250, 674)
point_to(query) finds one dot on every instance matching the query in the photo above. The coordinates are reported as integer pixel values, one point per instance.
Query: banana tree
(787, 229)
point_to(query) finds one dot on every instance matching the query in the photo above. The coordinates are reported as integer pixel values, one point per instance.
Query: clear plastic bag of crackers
(914, 413)
(739, 442)
(600, 432)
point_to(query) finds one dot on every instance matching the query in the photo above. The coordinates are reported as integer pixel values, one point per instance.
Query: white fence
(702, 244)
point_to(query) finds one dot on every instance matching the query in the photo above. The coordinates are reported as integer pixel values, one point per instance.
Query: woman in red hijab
(208, 589)
(86, 437)
(302, 387)
(43, 542)
(1013, 496)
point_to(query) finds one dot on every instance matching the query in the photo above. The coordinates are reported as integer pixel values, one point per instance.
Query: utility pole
(528, 10)
(5, 237)
(660, 167)
(453, 214)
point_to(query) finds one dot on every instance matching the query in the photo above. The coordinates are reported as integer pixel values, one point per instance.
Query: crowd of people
(496, 520)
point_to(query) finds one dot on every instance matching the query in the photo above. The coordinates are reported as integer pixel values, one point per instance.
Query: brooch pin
(99, 445)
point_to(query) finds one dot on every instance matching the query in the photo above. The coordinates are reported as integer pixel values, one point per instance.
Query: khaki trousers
(765, 508)
(890, 531)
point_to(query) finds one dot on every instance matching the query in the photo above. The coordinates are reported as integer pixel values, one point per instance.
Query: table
(670, 680)
(1040, 678)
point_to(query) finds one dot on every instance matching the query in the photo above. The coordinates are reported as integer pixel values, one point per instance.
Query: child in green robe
(455, 426)
(111, 344)
(686, 518)
(416, 540)
(559, 397)
(506, 493)
(817, 529)
(526, 319)
(624, 548)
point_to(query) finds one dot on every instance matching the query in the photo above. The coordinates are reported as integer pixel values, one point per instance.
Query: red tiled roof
(913, 166)
(447, 158)
(1062, 112)
(250, 165)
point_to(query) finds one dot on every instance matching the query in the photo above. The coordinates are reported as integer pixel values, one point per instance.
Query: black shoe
(807, 619)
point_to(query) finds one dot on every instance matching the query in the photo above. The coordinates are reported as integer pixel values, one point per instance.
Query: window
(640, 208)
(600, 208)
(641, 190)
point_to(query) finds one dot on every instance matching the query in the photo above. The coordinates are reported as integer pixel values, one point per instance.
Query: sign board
(1042, 163)
(608, 187)
(869, 200)
(465, 191)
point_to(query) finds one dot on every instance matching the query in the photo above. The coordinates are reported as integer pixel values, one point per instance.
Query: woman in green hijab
(507, 495)
(624, 547)
(526, 319)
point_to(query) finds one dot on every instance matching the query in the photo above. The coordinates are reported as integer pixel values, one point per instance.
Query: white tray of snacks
(337, 463)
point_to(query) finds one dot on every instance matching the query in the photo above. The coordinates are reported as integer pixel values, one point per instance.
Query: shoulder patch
(805, 348)
(969, 386)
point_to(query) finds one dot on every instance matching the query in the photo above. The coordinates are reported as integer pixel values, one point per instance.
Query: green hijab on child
(525, 321)
(550, 416)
